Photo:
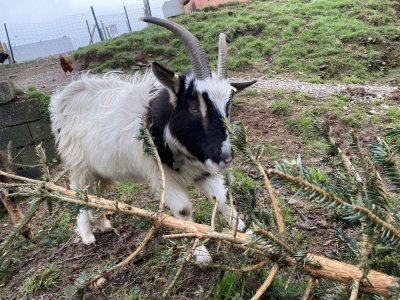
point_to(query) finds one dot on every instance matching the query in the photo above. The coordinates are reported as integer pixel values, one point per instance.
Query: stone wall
(22, 124)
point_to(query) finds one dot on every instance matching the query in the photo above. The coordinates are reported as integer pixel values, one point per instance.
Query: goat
(95, 122)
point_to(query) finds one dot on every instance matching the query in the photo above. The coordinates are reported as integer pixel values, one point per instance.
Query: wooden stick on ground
(310, 284)
(267, 282)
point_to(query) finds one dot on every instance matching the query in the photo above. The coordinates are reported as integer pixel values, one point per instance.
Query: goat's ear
(240, 86)
(167, 78)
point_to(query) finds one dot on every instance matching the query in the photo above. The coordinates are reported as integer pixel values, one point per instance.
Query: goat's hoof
(249, 232)
(104, 225)
(202, 255)
(88, 238)
(241, 226)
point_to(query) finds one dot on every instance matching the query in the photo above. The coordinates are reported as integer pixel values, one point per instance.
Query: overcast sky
(36, 11)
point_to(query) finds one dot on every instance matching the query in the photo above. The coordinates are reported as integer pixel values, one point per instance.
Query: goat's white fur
(96, 120)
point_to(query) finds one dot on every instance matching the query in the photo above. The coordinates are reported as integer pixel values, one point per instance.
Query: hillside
(317, 41)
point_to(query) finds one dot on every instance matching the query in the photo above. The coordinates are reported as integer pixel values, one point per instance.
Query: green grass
(319, 41)
(44, 100)
(229, 287)
(303, 125)
(43, 279)
(251, 92)
(203, 211)
(128, 192)
(281, 107)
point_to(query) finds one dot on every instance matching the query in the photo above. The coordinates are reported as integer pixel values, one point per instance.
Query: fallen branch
(375, 282)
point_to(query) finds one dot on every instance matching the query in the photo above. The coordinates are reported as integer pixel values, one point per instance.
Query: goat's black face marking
(193, 123)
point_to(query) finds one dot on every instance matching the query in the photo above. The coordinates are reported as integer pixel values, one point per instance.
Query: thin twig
(307, 292)
(236, 225)
(159, 165)
(274, 201)
(261, 290)
(290, 277)
(147, 238)
(354, 177)
(77, 257)
(179, 236)
(232, 269)
(214, 214)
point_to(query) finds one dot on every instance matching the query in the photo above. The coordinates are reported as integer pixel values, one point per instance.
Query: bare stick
(179, 236)
(236, 225)
(232, 269)
(267, 282)
(291, 274)
(147, 238)
(214, 214)
(307, 292)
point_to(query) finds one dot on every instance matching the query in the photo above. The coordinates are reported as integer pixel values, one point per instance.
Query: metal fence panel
(33, 40)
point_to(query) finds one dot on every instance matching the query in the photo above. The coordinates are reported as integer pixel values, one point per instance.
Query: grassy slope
(338, 40)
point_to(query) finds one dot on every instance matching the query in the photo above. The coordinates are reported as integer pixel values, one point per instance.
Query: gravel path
(320, 90)
(46, 74)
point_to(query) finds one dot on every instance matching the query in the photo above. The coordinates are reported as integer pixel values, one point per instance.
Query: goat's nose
(227, 156)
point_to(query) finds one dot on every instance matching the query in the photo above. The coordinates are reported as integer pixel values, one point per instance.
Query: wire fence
(30, 41)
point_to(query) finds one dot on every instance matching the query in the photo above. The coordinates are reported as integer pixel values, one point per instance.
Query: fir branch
(360, 213)
(355, 178)
(271, 236)
(240, 141)
(17, 228)
(151, 149)
(43, 162)
(384, 157)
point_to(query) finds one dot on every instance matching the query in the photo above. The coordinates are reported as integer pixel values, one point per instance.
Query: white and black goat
(96, 122)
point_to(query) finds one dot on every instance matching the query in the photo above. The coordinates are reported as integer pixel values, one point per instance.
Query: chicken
(66, 64)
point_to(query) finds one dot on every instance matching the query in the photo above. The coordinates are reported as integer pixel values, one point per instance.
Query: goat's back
(96, 122)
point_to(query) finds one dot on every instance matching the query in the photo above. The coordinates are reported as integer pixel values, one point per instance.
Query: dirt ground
(73, 258)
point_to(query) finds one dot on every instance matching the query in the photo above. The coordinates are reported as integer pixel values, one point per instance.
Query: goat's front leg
(214, 186)
(83, 226)
(177, 200)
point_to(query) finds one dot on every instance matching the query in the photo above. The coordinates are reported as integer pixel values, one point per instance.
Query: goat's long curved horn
(198, 56)
(222, 57)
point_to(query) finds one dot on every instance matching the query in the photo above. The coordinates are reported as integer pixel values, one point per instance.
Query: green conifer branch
(361, 212)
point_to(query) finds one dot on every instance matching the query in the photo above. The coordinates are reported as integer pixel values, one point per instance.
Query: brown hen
(66, 64)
